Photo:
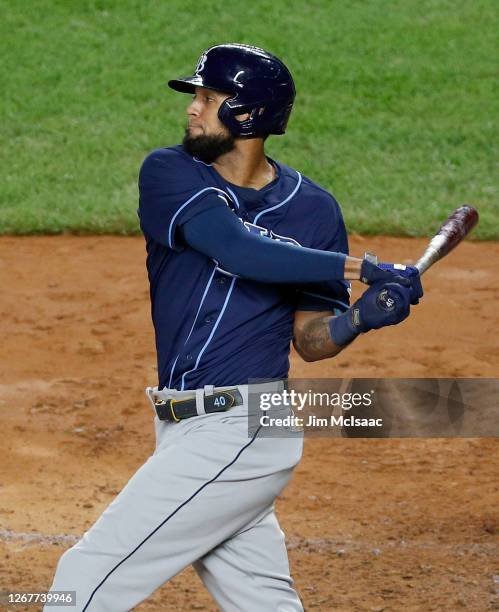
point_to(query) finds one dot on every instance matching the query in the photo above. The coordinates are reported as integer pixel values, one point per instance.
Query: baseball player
(244, 255)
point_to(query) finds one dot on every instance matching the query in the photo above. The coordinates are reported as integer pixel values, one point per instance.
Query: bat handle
(432, 253)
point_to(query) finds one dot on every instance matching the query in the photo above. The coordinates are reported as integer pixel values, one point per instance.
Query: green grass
(396, 112)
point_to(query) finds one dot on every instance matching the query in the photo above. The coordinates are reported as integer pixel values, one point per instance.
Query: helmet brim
(186, 85)
(189, 84)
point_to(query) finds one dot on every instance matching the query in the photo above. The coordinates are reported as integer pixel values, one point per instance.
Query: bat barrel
(457, 226)
(462, 220)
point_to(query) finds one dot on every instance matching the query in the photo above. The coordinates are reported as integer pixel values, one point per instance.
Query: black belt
(178, 409)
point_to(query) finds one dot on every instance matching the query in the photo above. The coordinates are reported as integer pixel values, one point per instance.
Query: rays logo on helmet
(201, 63)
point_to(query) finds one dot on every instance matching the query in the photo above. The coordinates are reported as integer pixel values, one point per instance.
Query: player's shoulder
(172, 168)
(320, 195)
(169, 158)
(309, 194)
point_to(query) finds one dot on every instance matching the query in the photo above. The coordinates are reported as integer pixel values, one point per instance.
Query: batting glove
(410, 272)
(381, 305)
(407, 276)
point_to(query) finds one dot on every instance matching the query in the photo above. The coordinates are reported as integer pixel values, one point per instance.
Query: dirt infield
(375, 525)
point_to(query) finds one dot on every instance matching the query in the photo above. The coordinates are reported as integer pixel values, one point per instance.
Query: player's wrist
(352, 268)
(342, 329)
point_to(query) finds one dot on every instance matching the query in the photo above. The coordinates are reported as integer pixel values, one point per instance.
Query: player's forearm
(220, 235)
(313, 341)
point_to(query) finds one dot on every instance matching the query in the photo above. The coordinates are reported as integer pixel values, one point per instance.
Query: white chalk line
(7, 535)
(318, 545)
(311, 545)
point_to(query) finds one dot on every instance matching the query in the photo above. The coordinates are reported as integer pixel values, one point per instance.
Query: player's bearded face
(208, 147)
(206, 138)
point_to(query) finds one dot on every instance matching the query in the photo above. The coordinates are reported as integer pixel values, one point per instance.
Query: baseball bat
(454, 229)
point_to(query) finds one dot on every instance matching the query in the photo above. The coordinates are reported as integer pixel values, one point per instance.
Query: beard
(208, 148)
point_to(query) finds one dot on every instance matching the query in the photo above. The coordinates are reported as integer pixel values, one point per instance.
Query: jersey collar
(272, 194)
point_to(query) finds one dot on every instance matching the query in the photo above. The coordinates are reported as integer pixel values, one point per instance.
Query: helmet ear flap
(246, 127)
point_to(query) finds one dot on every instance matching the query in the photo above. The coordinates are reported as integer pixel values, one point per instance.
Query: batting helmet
(258, 84)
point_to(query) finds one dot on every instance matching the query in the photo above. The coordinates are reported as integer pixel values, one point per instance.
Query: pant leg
(206, 481)
(250, 571)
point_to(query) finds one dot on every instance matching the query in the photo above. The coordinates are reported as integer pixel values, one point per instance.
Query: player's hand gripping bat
(456, 227)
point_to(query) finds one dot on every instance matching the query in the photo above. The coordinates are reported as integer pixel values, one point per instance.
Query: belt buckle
(165, 411)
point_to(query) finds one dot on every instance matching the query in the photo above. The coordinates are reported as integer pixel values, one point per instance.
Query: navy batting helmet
(258, 84)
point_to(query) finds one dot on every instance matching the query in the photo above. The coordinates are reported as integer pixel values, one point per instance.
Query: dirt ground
(375, 525)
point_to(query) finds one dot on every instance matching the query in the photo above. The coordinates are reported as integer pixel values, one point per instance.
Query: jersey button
(208, 320)
(221, 281)
(188, 357)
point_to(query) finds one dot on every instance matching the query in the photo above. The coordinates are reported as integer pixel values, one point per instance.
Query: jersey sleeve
(172, 191)
(330, 235)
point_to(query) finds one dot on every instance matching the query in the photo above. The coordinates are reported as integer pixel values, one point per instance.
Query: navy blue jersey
(213, 328)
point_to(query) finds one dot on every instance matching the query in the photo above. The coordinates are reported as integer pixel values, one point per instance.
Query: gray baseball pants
(205, 497)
